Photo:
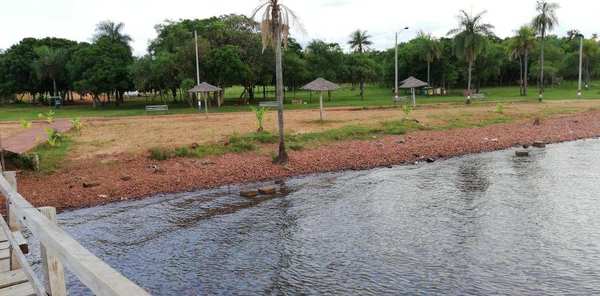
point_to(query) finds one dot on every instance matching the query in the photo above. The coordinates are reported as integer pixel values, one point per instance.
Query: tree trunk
(521, 76)
(541, 96)
(469, 83)
(429, 73)
(54, 87)
(526, 74)
(282, 157)
(362, 89)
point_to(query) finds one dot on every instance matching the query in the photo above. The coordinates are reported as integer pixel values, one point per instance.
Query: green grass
(252, 141)
(52, 157)
(375, 97)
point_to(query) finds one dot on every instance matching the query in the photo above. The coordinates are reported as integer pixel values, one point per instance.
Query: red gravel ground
(137, 176)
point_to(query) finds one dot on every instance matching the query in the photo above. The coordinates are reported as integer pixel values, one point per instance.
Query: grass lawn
(375, 96)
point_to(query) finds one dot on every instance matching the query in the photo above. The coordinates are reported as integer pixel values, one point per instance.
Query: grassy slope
(345, 97)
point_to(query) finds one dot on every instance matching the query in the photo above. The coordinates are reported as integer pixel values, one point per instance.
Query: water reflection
(477, 225)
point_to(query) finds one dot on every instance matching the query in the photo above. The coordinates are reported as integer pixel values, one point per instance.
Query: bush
(160, 154)
(54, 137)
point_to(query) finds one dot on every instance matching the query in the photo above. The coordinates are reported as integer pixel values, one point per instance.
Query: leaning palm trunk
(282, 157)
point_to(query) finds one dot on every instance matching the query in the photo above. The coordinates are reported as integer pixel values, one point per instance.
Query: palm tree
(431, 51)
(49, 64)
(521, 45)
(360, 42)
(543, 23)
(112, 31)
(469, 41)
(274, 29)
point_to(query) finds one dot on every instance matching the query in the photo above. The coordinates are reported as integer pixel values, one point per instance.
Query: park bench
(157, 108)
(269, 104)
(400, 100)
(479, 96)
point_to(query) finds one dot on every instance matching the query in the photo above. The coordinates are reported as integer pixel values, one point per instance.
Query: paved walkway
(32, 137)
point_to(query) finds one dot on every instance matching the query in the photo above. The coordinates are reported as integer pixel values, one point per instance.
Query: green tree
(520, 47)
(543, 23)
(50, 63)
(430, 50)
(360, 42)
(274, 29)
(113, 31)
(470, 40)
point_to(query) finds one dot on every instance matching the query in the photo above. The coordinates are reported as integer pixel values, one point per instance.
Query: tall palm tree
(431, 51)
(113, 31)
(521, 46)
(49, 64)
(360, 42)
(275, 21)
(544, 22)
(470, 40)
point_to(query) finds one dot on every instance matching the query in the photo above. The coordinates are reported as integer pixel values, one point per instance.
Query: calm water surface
(476, 225)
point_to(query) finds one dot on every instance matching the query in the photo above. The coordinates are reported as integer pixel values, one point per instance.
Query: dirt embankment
(88, 183)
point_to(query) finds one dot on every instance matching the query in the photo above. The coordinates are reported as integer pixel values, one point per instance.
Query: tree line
(231, 52)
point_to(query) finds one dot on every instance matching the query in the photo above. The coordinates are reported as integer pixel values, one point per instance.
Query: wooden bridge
(58, 250)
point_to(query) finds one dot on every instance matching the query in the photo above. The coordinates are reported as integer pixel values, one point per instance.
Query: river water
(482, 224)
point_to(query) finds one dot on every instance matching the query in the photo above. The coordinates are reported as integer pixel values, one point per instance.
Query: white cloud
(330, 20)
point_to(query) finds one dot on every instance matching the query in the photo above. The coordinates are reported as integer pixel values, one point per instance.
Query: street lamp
(396, 61)
(580, 65)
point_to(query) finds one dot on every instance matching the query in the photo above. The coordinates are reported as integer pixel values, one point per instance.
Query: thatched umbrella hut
(203, 89)
(413, 83)
(321, 85)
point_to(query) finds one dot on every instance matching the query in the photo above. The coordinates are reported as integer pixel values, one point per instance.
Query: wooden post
(54, 275)
(321, 104)
(13, 223)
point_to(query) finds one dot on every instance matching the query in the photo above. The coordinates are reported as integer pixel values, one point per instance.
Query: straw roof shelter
(412, 83)
(321, 85)
(203, 89)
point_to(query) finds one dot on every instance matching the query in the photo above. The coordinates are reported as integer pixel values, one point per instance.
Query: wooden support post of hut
(203, 89)
(412, 84)
(321, 85)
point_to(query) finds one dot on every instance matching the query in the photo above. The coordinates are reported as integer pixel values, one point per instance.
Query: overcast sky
(329, 20)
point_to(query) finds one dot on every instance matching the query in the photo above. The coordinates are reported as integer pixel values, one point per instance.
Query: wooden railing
(57, 249)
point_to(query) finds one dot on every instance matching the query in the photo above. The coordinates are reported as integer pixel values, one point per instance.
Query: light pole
(580, 65)
(396, 63)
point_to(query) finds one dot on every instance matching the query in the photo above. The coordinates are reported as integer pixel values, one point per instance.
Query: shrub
(499, 108)
(49, 117)
(260, 115)
(54, 137)
(77, 124)
(25, 123)
(160, 154)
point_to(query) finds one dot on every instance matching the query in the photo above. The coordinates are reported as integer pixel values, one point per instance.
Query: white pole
(580, 66)
(414, 97)
(206, 105)
(321, 103)
(396, 59)
(197, 59)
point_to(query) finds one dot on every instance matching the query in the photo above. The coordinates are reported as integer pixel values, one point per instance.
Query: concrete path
(34, 136)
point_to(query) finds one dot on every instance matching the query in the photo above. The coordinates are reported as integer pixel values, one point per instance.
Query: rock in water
(539, 144)
(249, 193)
(267, 190)
(522, 153)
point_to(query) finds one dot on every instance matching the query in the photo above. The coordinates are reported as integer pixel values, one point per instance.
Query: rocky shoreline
(90, 183)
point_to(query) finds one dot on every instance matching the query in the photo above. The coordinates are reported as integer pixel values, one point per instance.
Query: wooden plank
(54, 274)
(13, 223)
(5, 254)
(4, 245)
(100, 278)
(11, 278)
(16, 253)
(24, 289)
(21, 241)
(4, 265)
